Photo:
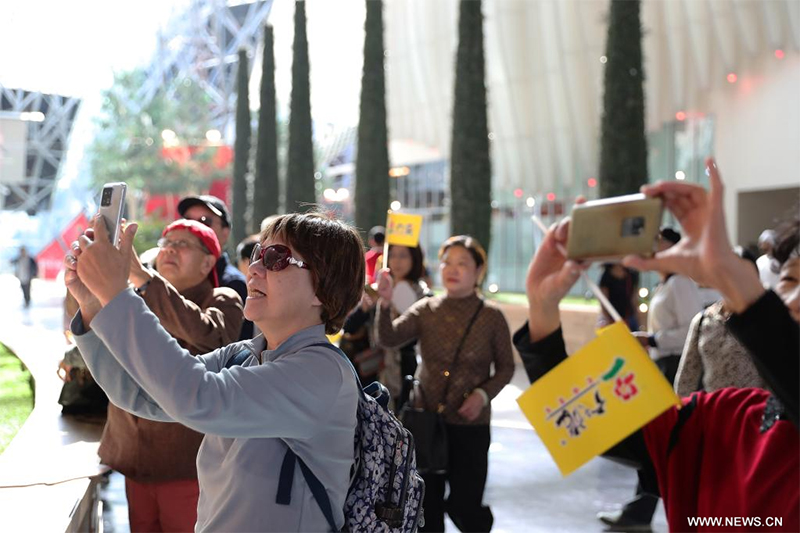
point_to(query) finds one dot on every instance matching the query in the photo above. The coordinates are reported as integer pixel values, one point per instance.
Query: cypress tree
(470, 164)
(266, 188)
(623, 145)
(241, 151)
(372, 160)
(300, 173)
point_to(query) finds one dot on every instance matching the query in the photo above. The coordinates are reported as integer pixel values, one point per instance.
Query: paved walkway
(525, 489)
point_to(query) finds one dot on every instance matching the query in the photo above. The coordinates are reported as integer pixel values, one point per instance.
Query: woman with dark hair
(406, 266)
(460, 338)
(620, 285)
(290, 392)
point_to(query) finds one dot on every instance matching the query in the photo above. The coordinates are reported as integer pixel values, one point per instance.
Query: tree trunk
(241, 152)
(300, 185)
(266, 188)
(372, 159)
(470, 162)
(623, 145)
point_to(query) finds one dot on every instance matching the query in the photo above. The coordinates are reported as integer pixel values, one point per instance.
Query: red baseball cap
(206, 236)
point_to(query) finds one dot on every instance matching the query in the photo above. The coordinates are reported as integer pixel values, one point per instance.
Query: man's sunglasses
(275, 258)
(204, 220)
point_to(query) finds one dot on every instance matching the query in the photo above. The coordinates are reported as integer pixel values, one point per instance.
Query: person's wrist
(543, 320)
(140, 276)
(106, 295)
(88, 311)
(92, 306)
(739, 285)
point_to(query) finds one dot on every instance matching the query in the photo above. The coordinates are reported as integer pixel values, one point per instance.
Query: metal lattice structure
(46, 145)
(202, 44)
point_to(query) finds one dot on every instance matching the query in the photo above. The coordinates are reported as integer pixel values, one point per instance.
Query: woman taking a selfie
(307, 271)
(460, 338)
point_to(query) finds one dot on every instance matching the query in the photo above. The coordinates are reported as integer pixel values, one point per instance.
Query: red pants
(165, 506)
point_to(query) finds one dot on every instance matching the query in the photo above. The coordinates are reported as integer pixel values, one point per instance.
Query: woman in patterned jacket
(461, 392)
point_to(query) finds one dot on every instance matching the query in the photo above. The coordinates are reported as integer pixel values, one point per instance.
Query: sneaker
(619, 521)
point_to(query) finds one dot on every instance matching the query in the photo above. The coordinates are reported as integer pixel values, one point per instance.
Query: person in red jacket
(377, 236)
(727, 460)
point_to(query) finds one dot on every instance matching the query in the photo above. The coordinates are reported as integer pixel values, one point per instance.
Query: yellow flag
(601, 394)
(403, 230)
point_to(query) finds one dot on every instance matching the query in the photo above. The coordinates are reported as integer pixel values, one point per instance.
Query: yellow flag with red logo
(403, 229)
(597, 397)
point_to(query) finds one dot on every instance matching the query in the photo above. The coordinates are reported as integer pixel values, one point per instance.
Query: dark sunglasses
(275, 258)
(204, 220)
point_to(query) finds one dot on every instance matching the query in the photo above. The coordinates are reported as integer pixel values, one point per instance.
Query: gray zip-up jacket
(298, 395)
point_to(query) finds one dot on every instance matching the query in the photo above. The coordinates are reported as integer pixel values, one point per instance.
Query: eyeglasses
(275, 258)
(180, 244)
(204, 220)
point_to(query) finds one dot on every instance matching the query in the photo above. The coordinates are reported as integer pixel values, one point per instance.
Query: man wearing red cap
(212, 212)
(157, 458)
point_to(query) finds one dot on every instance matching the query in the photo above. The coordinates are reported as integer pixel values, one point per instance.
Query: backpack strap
(347, 360)
(286, 476)
(238, 359)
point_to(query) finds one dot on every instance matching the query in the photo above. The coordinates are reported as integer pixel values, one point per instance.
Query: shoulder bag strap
(700, 381)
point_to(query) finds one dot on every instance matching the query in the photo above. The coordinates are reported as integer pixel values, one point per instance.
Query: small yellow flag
(601, 394)
(403, 230)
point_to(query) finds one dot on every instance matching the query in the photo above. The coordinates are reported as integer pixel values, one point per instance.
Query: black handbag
(80, 394)
(428, 427)
(430, 436)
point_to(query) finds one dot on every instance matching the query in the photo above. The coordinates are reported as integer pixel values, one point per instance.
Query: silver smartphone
(612, 228)
(112, 202)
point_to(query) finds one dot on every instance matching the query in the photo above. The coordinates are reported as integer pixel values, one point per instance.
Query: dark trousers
(669, 366)
(468, 462)
(643, 506)
(26, 292)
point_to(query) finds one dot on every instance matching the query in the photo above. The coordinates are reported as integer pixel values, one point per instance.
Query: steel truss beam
(47, 143)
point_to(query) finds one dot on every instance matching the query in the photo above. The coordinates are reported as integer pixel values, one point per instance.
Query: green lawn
(16, 396)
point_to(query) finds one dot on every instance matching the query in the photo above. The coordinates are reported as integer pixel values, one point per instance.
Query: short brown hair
(334, 252)
(471, 245)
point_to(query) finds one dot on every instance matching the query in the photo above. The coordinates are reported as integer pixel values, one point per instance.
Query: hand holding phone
(112, 202)
(612, 228)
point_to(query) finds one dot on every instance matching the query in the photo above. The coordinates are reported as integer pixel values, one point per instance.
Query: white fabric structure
(544, 75)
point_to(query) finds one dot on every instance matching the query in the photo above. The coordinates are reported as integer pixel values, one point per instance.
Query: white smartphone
(112, 202)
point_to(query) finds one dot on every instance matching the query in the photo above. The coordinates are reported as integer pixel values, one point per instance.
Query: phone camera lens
(632, 226)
